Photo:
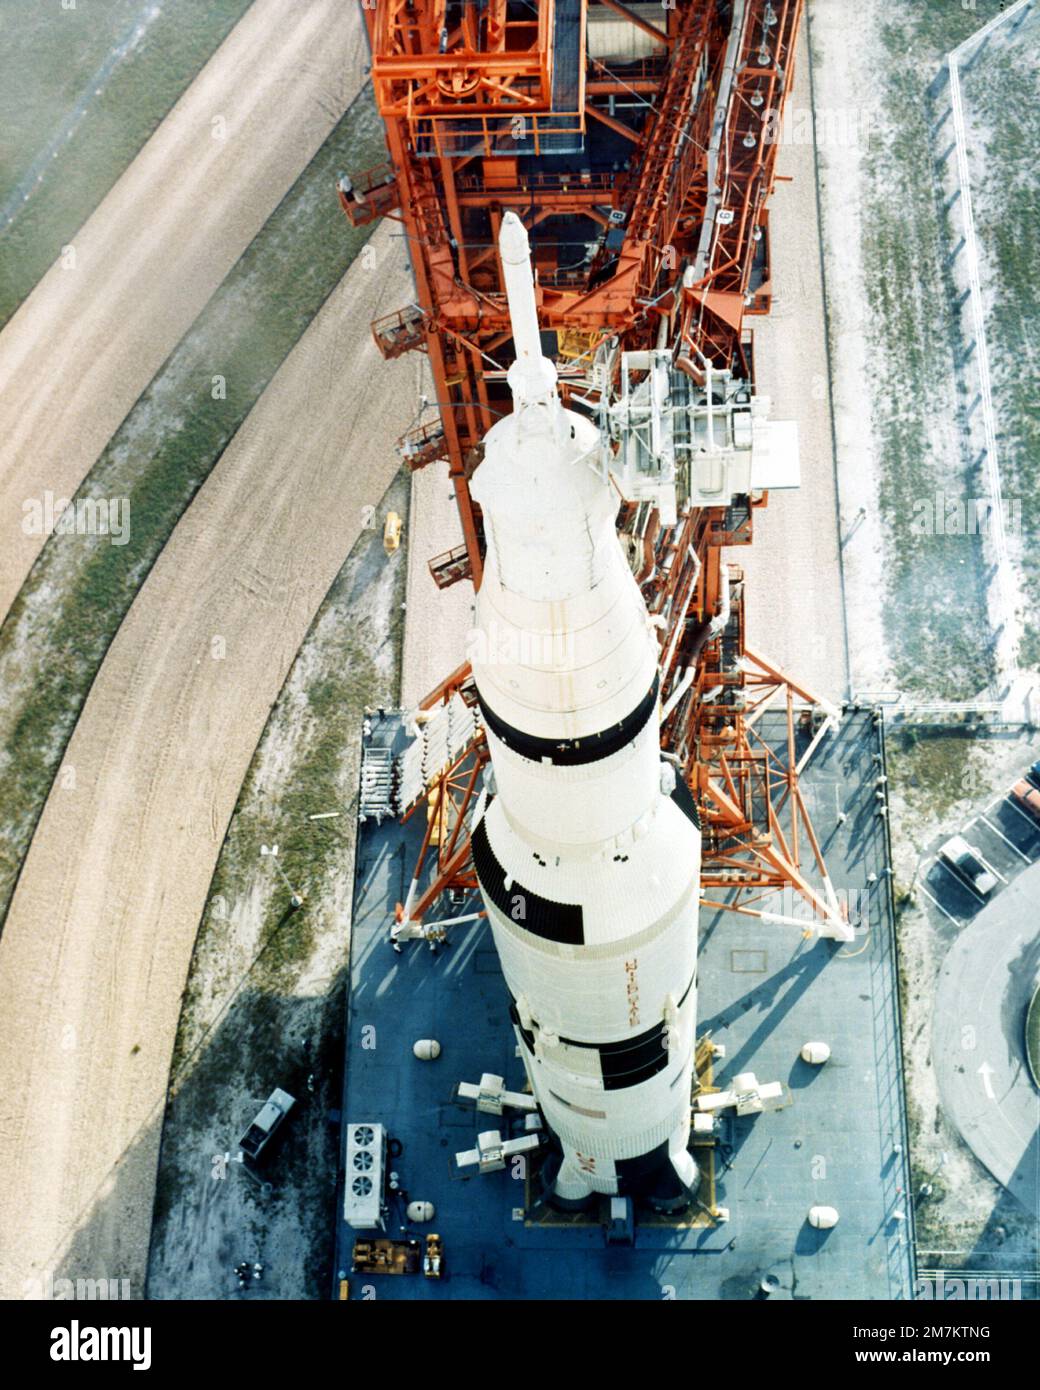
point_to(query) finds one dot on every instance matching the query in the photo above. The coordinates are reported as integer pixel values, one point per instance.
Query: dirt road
(90, 337)
(96, 948)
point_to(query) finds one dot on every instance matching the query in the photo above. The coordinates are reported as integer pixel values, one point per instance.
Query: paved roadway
(978, 1044)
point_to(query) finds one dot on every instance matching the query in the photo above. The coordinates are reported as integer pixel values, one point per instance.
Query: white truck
(266, 1124)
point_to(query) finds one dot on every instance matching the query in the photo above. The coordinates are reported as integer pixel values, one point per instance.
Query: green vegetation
(73, 118)
(1033, 1039)
(1003, 93)
(82, 587)
(932, 768)
(936, 584)
(935, 608)
(307, 850)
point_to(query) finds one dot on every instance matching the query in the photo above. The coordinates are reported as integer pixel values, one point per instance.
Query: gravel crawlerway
(101, 322)
(96, 948)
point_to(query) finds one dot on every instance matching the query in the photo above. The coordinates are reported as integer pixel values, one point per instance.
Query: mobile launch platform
(836, 1139)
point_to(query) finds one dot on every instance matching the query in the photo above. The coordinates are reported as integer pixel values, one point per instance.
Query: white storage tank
(823, 1218)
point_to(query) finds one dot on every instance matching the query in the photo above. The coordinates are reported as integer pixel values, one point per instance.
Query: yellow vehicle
(392, 532)
(383, 1256)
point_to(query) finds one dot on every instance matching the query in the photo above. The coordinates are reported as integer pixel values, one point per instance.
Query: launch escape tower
(637, 145)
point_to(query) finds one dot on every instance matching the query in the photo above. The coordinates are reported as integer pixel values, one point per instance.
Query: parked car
(1034, 774)
(1027, 797)
(268, 1121)
(967, 863)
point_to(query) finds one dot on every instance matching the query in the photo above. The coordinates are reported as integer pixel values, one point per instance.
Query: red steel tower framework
(638, 146)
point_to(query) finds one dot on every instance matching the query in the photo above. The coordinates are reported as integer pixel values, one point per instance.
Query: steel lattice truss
(657, 168)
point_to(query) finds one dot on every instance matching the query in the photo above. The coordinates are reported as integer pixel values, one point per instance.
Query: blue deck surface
(764, 991)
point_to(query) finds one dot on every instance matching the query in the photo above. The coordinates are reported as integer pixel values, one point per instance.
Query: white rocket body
(588, 863)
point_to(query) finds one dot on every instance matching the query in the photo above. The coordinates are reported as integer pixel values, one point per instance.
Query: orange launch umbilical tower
(637, 144)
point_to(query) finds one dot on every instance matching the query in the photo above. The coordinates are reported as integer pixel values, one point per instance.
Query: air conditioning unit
(365, 1176)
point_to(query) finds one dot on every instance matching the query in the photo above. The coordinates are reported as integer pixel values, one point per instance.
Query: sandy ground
(97, 945)
(793, 595)
(437, 620)
(90, 337)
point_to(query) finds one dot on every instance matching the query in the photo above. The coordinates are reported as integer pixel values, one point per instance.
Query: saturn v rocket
(586, 843)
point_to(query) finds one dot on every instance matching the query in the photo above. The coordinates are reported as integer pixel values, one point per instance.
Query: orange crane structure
(638, 145)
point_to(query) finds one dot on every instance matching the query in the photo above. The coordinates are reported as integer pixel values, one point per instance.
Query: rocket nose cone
(513, 245)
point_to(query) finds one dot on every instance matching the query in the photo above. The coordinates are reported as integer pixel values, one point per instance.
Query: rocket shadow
(775, 998)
